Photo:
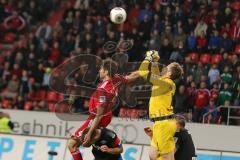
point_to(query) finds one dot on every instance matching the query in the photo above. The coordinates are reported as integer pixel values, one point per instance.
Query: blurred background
(36, 36)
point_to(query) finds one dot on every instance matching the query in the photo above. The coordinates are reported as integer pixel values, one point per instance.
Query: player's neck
(106, 78)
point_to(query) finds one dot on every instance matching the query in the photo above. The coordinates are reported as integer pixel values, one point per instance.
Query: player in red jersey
(100, 105)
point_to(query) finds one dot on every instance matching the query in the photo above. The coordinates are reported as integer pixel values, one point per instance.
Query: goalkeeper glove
(152, 56)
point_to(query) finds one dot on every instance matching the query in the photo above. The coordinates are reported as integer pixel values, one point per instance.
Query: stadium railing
(229, 108)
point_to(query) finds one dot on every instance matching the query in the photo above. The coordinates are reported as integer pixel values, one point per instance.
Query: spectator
(235, 63)
(226, 44)
(166, 49)
(224, 62)
(178, 52)
(158, 23)
(155, 40)
(43, 33)
(201, 28)
(202, 96)
(212, 111)
(67, 44)
(43, 53)
(200, 70)
(236, 91)
(214, 92)
(167, 35)
(213, 73)
(24, 88)
(46, 77)
(12, 88)
(180, 100)
(145, 27)
(225, 94)
(180, 37)
(202, 43)
(54, 57)
(134, 14)
(147, 11)
(236, 31)
(190, 25)
(38, 74)
(19, 104)
(224, 112)
(191, 42)
(214, 42)
(226, 76)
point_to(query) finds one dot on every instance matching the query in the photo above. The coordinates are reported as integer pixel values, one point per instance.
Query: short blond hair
(176, 70)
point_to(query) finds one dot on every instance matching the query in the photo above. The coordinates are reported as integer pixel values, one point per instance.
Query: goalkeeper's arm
(149, 70)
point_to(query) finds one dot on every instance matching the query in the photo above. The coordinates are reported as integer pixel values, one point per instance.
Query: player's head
(180, 121)
(108, 68)
(173, 70)
(94, 136)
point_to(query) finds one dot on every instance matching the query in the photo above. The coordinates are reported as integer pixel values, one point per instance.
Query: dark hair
(110, 66)
(176, 70)
(181, 120)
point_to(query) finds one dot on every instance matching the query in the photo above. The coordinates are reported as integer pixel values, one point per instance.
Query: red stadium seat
(52, 96)
(28, 105)
(237, 49)
(216, 58)
(9, 37)
(51, 107)
(194, 57)
(123, 112)
(205, 58)
(5, 103)
(40, 95)
(128, 113)
(60, 97)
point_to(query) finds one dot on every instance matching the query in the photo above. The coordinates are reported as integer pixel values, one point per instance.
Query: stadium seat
(237, 49)
(194, 57)
(52, 96)
(51, 107)
(9, 37)
(40, 95)
(60, 97)
(123, 112)
(128, 113)
(205, 58)
(216, 58)
(5, 104)
(28, 105)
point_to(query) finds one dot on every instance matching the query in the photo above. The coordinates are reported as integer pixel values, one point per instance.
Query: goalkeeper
(160, 104)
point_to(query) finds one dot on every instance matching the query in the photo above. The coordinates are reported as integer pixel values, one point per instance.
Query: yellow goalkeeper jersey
(163, 89)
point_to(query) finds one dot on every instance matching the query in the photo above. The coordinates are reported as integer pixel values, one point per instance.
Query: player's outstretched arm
(132, 77)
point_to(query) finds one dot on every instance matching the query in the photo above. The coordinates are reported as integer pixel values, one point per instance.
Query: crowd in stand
(202, 35)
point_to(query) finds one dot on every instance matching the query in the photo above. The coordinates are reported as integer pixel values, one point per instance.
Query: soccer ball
(118, 15)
